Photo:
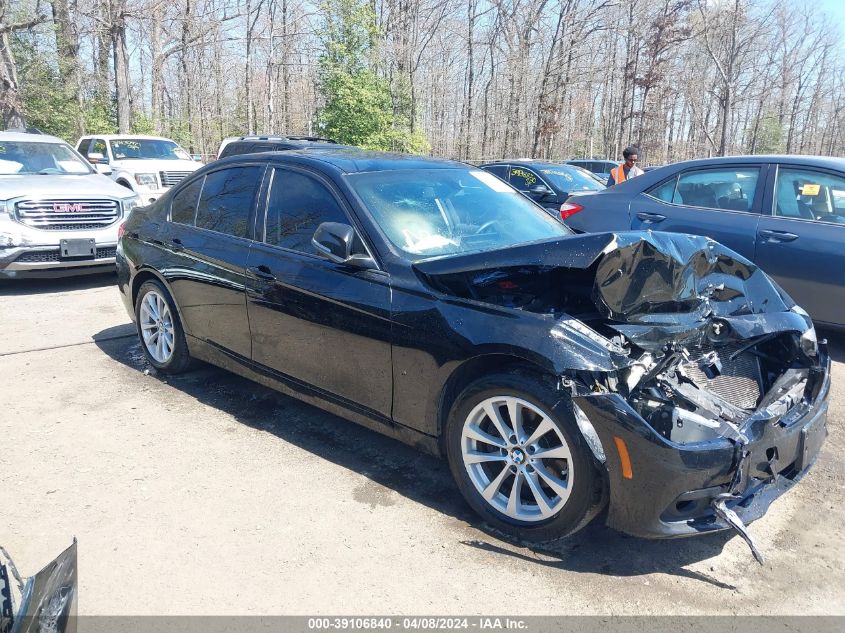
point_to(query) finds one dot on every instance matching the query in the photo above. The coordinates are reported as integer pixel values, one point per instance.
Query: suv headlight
(146, 180)
(129, 204)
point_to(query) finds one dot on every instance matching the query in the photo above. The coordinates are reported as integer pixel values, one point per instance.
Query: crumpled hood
(658, 287)
(61, 186)
(653, 287)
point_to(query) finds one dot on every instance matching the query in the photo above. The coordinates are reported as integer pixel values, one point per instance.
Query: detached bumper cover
(672, 485)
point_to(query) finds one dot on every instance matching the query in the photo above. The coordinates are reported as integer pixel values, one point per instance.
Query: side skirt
(230, 361)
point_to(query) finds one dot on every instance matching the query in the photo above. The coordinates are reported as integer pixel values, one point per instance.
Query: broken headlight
(809, 342)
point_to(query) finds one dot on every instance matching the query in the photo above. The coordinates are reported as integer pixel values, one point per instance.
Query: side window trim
(261, 236)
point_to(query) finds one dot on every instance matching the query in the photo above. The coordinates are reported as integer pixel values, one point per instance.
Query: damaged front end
(710, 398)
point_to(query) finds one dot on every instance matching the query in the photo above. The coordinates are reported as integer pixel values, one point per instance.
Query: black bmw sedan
(661, 375)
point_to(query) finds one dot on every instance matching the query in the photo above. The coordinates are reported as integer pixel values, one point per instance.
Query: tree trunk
(11, 105)
(67, 48)
(122, 91)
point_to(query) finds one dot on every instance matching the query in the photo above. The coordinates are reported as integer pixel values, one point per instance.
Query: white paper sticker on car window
(491, 181)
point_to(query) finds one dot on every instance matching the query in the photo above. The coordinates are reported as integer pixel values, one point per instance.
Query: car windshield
(21, 157)
(571, 179)
(431, 212)
(143, 148)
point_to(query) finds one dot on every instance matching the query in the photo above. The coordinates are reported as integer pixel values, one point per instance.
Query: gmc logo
(67, 207)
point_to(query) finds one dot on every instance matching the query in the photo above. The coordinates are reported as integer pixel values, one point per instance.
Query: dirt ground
(207, 494)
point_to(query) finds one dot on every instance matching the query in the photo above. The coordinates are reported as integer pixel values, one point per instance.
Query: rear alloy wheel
(519, 459)
(156, 324)
(159, 329)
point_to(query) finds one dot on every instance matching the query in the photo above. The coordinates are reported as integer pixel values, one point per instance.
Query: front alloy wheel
(517, 458)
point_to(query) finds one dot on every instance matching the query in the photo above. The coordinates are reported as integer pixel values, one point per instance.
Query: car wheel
(519, 459)
(159, 329)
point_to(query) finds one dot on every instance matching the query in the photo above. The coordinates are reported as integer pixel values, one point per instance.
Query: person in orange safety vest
(625, 170)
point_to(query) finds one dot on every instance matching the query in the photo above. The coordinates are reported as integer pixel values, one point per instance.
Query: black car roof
(351, 161)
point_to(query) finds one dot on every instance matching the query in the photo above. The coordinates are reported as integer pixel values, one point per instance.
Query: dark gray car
(784, 213)
(548, 184)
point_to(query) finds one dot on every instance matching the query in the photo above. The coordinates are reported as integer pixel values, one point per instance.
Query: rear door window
(227, 199)
(184, 205)
(809, 195)
(727, 189)
(664, 191)
(83, 146)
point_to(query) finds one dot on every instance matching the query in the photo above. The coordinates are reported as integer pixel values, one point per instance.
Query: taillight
(568, 209)
(121, 230)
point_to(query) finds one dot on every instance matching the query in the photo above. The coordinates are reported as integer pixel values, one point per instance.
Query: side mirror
(96, 157)
(196, 157)
(335, 242)
(539, 191)
(101, 168)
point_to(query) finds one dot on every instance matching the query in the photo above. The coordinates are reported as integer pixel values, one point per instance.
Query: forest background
(467, 79)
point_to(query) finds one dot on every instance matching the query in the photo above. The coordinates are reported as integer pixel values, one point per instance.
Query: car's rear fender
(602, 212)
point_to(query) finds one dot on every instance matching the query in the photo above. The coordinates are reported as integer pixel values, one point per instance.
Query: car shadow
(414, 475)
(22, 287)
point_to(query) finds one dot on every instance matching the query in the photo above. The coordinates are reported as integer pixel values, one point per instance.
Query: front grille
(72, 227)
(63, 214)
(38, 257)
(170, 178)
(739, 380)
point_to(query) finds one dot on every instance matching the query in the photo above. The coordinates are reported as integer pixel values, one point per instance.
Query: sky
(836, 10)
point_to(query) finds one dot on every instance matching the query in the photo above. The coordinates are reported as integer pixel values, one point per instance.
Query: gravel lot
(208, 494)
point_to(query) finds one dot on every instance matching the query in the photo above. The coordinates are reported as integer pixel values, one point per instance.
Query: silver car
(58, 214)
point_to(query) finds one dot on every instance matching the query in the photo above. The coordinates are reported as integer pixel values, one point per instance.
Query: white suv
(58, 215)
(148, 165)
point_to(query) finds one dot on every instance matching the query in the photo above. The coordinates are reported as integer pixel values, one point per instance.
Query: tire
(168, 354)
(551, 455)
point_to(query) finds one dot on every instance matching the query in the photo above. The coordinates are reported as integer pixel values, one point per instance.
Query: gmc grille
(67, 214)
(170, 178)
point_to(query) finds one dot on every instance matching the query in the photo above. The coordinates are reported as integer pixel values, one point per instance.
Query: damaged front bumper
(659, 488)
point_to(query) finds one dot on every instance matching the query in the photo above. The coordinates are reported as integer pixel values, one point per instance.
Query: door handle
(650, 217)
(777, 236)
(177, 245)
(262, 272)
